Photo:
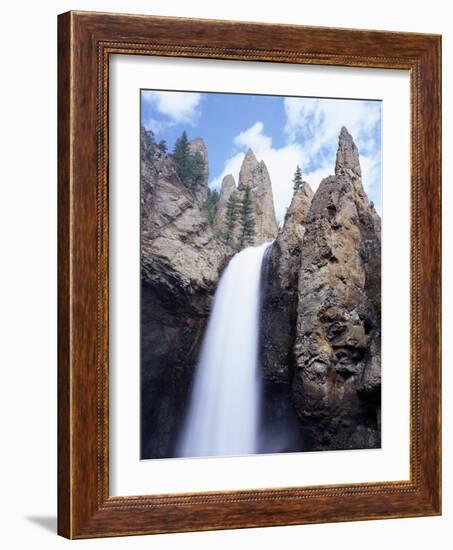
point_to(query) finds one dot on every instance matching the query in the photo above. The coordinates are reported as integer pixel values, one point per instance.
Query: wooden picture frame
(85, 42)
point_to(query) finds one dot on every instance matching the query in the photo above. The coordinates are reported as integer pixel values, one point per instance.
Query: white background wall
(28, 124)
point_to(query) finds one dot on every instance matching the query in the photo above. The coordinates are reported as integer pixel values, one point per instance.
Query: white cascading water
(223, 413)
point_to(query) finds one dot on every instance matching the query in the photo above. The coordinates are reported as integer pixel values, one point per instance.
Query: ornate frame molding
(86, 40)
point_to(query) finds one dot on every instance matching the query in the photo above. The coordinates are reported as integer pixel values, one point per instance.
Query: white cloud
(314, 177)
(316, 124)
(280, 163)
(312, 129)
(254, 139)
(371, 179)
(301, 115)
(232, 166)
(180, 107)
(319, 121)
(157, 125)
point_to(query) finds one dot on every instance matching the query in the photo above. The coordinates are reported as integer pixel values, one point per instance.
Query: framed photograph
(249, 275)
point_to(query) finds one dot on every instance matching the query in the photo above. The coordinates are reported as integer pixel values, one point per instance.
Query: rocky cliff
(180, 265)
(197, 145)
(336, 385)
(281, 289)
(320, 327)
(282, 431)
(252, 175)
(227, 188)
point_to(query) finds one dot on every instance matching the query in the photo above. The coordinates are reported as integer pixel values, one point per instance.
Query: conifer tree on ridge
(231, 215)
(297, 180)
(247, 220)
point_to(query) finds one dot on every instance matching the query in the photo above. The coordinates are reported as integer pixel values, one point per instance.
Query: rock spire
(253, 174)
(336, 385)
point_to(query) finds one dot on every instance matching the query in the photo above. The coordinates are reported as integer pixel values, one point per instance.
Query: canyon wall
(336, 387)
(181, 261)
(321, 297)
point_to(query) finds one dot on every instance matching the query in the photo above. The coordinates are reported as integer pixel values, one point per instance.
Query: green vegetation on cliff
(247, 236)
(231, 217)
(210, 203)
(297, 180)
(190, 167)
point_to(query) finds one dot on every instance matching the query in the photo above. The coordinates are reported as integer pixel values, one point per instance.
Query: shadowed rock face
(180, 265)
(279, 310)
(282, 430)
(336, 386)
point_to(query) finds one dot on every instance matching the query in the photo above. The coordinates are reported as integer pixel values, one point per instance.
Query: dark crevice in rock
(280, 429)
(171, 333)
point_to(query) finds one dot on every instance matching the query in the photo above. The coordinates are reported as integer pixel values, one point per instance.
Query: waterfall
(222, 417)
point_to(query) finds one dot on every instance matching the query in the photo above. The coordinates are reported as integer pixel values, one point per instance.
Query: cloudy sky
(282, 131)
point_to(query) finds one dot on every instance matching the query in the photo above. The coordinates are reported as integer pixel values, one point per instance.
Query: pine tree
(247, 220)
(181, 156)
(190, 167)
(147, 145)
(162, 146)
(210, 204)
(196, 171)
(297, 180)
(231, 216)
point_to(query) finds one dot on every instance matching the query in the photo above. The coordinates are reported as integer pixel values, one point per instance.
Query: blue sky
(282, 131)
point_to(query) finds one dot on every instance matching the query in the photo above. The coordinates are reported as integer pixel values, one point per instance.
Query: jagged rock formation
(278, 326)
(227, 187)
(180, 263)
(336, 387)
(197, 145)
(280, 302)
(252, 174)
(320, 331)
(288, 246)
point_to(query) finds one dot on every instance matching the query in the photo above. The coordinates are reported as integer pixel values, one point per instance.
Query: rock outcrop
(253, 174)
(278, 327)
(180, 265)
(227, 187)
(336, 386)
(197, 145)
(321, 280)
(281, 289)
